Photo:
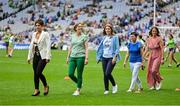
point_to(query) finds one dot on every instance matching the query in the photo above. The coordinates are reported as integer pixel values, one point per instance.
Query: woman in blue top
(135, 54)
(108, 53)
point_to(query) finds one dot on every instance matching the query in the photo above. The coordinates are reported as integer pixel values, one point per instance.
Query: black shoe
(37, 94)
(45, 93)
(178, 65)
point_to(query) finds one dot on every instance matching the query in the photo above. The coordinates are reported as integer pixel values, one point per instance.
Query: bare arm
(162, 50)
(178, 47)
(30, 50)
(126, 58)
(68, 55)
(145, 53)
(86, 52)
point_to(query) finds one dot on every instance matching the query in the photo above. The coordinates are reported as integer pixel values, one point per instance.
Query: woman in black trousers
(40, 54)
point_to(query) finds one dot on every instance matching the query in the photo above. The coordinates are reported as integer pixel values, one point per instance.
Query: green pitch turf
(16, 83)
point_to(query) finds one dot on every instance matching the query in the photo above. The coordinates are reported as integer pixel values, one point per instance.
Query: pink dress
(154, 61)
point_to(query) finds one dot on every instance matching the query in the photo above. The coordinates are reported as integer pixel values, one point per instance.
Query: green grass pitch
(16, 83)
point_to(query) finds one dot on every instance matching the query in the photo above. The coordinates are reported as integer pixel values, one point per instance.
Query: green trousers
(76, 62)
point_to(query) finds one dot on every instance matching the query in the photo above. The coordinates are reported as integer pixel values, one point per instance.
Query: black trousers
(38, 67)
(107, 70)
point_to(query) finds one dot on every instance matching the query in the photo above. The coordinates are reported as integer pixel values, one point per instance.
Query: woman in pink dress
(155, 59)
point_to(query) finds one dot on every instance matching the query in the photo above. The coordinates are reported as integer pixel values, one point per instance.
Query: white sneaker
(76, 93)
(129, 90)
(106, 92)
(152, 88)
(158, 86)
(114, 89)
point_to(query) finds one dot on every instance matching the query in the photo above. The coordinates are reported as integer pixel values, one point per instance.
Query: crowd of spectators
(68, 13)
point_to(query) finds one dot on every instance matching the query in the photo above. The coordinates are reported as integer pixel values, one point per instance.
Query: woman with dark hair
(77, 56)
(40, 54)
(135, 52)
(172, 50)
(108, 53)
(155, 59)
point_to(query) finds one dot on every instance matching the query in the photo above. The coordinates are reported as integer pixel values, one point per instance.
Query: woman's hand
(113, 61)
(162, 61)
(29, 61)
(142, 66)
(47, 60)
(67, 60)
(86, 61)
(124, 64)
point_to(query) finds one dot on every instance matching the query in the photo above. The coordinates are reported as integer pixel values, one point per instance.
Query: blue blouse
(135, 52)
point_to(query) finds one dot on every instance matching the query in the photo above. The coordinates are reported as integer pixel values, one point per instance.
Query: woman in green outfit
(172, 50)
(77, 56)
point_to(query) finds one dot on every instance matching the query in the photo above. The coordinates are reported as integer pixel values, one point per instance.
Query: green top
(171, 43)
(6, 37)
(78, 47)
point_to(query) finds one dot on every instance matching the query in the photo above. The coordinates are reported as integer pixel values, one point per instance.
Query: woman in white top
(40, 54)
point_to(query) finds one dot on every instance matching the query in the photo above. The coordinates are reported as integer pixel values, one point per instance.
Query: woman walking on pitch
(77, 56)
(108, 53)
(155, 59)
(172, 50)
(40, 54)
(135, 51)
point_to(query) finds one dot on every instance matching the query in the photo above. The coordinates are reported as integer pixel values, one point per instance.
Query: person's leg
(150, 79)
(36, 79)
(109, 70)
(170, 58)
(156, 73)
(7, 45)
(138, 81)
(11, 52)
(174, 59)
(167, 56)
(132, 66)
(41, 66)
(109, 76)
(135, 72)
(72, 67)
(104, 65)
(80, 68)
(35, 64)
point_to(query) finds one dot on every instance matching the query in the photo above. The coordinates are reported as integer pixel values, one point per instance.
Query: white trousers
(135, 79)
